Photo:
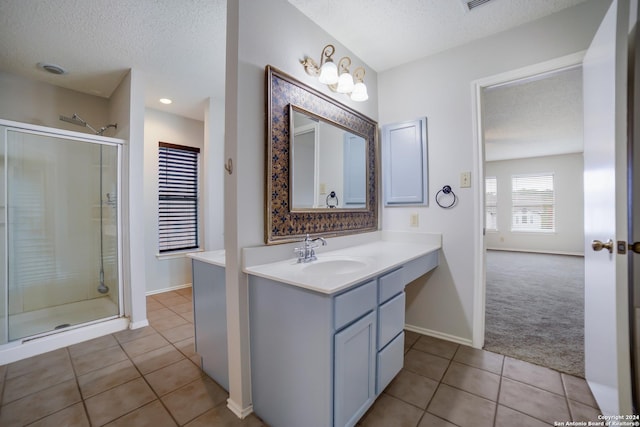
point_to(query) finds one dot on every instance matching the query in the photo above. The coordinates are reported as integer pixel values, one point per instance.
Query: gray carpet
(535, 309)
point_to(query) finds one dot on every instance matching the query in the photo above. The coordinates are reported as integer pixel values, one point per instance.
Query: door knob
(597, 245)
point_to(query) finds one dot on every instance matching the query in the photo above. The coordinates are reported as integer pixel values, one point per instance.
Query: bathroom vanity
(210, 313)
(327, 336)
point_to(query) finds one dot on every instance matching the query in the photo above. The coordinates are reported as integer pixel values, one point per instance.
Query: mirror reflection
(328, 164)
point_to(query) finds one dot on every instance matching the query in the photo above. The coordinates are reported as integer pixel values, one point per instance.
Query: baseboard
(239, 412)
(169, 289)
(139, 324)
(537, 251)
(440, 335)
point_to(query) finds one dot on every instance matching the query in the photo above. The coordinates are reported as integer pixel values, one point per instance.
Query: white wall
(166, 271)
(29, 101)
(260, 33)
(568, 237)
(439, 87)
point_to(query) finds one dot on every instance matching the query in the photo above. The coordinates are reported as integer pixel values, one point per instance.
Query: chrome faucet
(308, 253)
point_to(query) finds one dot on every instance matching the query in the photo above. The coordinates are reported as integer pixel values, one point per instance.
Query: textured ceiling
(179, 45)
(387, 33)
(534, 117)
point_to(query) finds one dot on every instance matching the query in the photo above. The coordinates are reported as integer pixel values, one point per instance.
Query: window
(491, 203)
(532, 203)
(177, 197)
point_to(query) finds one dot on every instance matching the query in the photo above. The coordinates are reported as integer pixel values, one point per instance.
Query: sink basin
(337, 265)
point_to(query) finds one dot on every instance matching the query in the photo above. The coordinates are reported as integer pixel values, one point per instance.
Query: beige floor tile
(174, 376)
(430, 420)
(425, 364)
(160, 314)
(100, 380)
(436, 346)
(577, 389)
(153, 305)
(35, 363)
(482, 359)
(220, 416)
(158, 358)
(182, 308)
(410, 338)
(507, 417)
(389, 411)
(39, 405)
(194, 399)
(186, 292)
(412, 388)
(477, 381)
(98, 359)
(145, 344)
(38, 379)
(581, 412)
(133, 334)
(533, 401)
(72, 416)
(179, 333)
(118, 401)
(534, 375)
(171, 299)
(168, 321)
(90, 346)
(462, 408)
(188, 316)
(187, 347)
(150, 415)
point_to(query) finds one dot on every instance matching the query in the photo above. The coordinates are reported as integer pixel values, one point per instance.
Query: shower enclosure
(59, 238)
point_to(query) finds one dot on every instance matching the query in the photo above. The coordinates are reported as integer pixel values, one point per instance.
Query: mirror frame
(282, 225)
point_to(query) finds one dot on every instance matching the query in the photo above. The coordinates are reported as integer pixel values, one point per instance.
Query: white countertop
(376, 258)
(211, 257)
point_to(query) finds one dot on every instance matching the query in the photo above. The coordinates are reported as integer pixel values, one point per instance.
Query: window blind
(177, 197)
(532, 203)
(491, 203)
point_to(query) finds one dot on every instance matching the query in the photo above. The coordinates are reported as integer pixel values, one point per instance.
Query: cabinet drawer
(354, 303)
(391, 284)
(390, 362)
(391, 321)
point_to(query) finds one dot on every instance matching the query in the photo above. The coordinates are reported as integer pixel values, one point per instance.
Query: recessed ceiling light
(52, 68)
(166, 101)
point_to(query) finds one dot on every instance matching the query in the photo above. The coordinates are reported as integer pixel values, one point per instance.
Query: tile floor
(151, 377)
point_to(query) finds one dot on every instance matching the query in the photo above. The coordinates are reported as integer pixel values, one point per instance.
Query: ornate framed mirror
(321, 159)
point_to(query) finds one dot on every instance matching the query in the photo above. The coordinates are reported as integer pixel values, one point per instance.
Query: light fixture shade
(345, 83)
(328, 73)
(359, 92)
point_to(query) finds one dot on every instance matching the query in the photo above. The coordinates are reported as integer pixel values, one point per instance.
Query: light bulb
(359, 92)
(345, 83)
(328, 73)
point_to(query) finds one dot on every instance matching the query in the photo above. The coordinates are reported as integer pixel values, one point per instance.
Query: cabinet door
(354, 370)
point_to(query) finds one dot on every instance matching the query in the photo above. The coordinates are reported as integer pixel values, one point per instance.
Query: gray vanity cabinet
(319, 359)
(210, 320)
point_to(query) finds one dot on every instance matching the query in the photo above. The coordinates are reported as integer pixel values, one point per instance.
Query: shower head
(74, 120)
(78, 121)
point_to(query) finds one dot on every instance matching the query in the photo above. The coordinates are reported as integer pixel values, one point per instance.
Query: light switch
(323, 188)
(465, 180)
(413, 220)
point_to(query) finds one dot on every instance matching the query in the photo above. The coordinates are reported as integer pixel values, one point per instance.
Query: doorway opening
(533, 256)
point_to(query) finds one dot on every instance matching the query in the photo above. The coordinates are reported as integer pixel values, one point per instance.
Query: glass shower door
(61, 232)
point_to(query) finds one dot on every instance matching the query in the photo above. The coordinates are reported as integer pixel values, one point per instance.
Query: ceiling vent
(472, 4)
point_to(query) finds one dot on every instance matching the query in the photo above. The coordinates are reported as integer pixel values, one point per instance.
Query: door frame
(479, 264)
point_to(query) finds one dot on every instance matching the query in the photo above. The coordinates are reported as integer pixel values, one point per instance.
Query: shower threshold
(36, 322)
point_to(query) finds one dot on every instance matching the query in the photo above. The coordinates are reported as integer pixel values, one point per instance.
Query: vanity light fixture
(338, 78)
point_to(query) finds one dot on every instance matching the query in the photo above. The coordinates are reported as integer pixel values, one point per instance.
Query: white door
(605, 133)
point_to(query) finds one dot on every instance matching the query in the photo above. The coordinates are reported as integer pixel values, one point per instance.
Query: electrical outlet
(413, 220)
(465, 180)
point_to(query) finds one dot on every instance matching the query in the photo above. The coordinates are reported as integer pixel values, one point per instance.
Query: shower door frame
(7, 126)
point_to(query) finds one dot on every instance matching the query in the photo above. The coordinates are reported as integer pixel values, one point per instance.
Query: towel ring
(330, 200)
(446, 190)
